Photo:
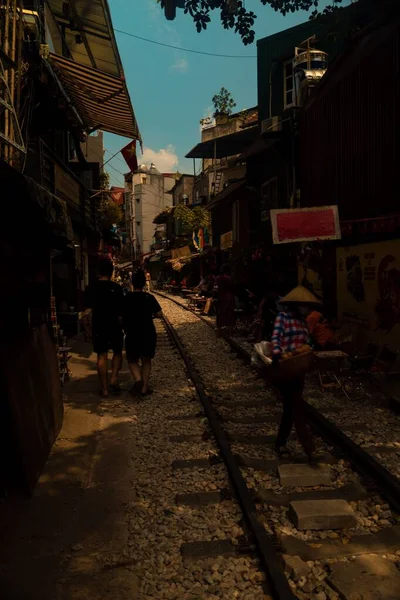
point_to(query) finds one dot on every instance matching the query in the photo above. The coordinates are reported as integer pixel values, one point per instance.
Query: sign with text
(66, 187)
(305, 224)
(226, 240)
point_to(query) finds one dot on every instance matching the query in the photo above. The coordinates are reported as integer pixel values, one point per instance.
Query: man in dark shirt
(140, 343)
(105, 298)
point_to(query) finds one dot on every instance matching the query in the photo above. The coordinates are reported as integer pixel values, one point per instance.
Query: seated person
(320, 331)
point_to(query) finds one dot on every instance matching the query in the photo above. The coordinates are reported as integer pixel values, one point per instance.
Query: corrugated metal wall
(350, 133)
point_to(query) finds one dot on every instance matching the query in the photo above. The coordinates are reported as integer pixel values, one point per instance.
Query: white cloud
(165, 159)
(167, 34)
(180, 65)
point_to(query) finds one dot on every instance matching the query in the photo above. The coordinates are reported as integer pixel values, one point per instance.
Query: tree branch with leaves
(223, 103)
(110, 214)
(234, 15)
(192, 219)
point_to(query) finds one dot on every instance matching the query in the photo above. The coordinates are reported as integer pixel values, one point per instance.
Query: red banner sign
(305, 224)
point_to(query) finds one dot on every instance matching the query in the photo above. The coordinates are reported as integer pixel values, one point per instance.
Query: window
(138, 223)
(269, 197)
(138, 200)
(144, 179)
(288, 84)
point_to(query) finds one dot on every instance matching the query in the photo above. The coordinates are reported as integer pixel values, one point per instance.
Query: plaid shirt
(290, 332)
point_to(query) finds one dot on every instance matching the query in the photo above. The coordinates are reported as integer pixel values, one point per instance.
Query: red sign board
(305, 224)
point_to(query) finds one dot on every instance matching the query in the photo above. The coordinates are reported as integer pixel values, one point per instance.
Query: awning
(233, 187)
(163, 217)
(102, 100)
(178, 263)
(226, 145)
(258, 146)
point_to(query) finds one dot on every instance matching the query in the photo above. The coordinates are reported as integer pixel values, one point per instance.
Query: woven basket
(296, 366)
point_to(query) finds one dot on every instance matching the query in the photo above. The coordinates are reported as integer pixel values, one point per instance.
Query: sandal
(103, 394)
(136, 389)
(148, 393)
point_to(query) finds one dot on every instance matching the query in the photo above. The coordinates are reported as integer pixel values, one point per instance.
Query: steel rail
(362, 461)
(270, 559)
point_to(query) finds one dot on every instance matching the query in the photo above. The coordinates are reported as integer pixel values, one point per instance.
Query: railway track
(312, 541)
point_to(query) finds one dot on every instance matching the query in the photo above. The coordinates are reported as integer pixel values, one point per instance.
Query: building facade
(355, 167)
(50, 185)
(149, 197)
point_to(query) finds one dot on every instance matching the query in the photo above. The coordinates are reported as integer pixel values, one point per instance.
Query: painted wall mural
(388, 306)
(368, 289)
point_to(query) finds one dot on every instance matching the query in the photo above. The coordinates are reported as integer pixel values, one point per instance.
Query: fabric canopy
(102, 100)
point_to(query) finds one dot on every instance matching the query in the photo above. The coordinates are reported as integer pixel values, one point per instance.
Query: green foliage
(223, 102)
(109, 213)
(192, 219)
(104, 181)
(234, 15)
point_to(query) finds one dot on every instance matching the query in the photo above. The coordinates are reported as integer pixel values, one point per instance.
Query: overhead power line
(143, 39)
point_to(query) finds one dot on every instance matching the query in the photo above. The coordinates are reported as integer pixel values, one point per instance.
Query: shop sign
(66, 187)
(305, 224)
(227, 240)
(180, 252)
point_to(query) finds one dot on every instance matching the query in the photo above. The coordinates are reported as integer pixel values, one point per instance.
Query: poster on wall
(305, 224)
(310, 268)
(226, 240)
(368, 289)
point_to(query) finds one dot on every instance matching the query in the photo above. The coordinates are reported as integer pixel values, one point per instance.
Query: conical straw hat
(300, 295)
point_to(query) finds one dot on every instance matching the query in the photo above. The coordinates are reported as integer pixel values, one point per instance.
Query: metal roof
(82, 31)
(102, 100)
(233, 187)
(91, 20)
(227, 145)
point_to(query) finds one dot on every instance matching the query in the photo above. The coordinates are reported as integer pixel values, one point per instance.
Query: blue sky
(171, 90)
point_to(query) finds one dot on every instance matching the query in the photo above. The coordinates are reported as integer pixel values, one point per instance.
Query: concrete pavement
(69, 541)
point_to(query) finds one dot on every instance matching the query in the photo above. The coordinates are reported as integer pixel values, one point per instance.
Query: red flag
(129, 154)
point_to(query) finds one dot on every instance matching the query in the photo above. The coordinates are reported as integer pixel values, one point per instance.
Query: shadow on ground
(69, 541)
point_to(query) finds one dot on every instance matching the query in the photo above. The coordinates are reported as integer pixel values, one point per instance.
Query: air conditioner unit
(31, 26)
(271, 124)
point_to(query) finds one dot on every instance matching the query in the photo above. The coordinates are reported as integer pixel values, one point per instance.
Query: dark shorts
(137, 347)
(106, 340)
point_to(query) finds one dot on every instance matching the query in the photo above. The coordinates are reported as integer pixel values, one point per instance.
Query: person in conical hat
(289, 334)
(300, 296)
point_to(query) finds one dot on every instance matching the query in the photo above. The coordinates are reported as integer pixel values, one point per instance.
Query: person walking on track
(105, 298)
(289, 334)
(148, 282)
(224, 288)
(140, 342)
